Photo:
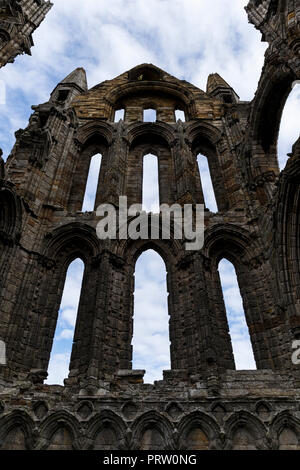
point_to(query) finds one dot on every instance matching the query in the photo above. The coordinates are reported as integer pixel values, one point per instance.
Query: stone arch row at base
(106, 430)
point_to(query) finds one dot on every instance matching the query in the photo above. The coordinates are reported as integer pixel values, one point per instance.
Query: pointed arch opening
(61, 440)
(150, 341)
(58, 368)
(149, 115)
(150, 201)
(91, 188)
(197, 439)
(238, 329)
(2, 91)
(2, 353)
(10, 214)
(243, 439)
(288, 440)
(119, 114)
(206, 182)
(15, 439)
(289, 126)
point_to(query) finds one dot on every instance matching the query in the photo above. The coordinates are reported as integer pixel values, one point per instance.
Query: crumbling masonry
(202, 402)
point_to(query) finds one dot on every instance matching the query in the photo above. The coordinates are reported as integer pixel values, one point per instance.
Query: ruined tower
(202, 402)
(18, 20)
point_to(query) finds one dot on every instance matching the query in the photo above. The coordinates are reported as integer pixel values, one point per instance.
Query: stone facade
(18, 20)
(202, 402)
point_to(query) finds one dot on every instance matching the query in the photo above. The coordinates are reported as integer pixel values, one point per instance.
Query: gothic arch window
(61, 440)
(197, 440)
(4, 38)
(243, 439)
(150, 201)
(206, 183)
(289, 126)
(149, 115)
(10, 214)
(63, 339)
(92, 184)
(15, 439)
(241, 343)
(207, 158)
(151, 345)
(152, 439)
(149, 143)
(119, 114)
(288, 440)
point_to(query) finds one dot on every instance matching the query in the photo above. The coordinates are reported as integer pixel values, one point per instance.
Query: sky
(189, 39)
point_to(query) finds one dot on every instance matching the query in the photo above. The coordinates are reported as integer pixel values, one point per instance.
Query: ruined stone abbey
(202, 402)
